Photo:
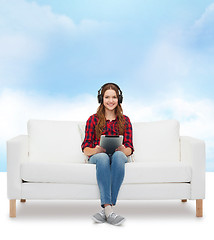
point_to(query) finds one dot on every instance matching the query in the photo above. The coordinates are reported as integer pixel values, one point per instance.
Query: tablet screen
(111, 142)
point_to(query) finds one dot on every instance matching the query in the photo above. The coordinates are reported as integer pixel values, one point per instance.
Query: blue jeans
(110, 172)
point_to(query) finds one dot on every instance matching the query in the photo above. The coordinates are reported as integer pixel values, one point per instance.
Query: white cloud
(31, 18)
(206, 17)
(40, 22)
(30, 32)
(202, 32)
(181, 57)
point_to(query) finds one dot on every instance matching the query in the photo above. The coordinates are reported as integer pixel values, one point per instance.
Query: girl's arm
(128, 139)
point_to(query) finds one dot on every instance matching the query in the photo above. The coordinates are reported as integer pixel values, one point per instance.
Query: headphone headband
(100, 97)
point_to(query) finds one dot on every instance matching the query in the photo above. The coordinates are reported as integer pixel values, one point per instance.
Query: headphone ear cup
(120, 99)
(100, 98)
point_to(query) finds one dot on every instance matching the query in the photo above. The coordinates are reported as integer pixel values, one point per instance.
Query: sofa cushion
(156, 141)
(86, 173)
(54, 141)
(156, 172)
(81, 127)
(58, 172)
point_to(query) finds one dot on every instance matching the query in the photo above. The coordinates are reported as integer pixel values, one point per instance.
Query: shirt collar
(112, 120)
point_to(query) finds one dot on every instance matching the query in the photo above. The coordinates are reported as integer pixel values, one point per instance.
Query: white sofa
(48, 164)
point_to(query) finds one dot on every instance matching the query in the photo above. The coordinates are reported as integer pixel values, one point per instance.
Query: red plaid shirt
(110, 128)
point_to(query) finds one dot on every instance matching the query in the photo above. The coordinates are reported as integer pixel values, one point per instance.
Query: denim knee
(119, 157)
(103, 159)
(99, 157)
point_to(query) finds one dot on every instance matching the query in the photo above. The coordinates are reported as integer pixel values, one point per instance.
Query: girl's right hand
(100, 149)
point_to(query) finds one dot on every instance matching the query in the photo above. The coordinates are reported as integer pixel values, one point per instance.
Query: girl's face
(110, 100)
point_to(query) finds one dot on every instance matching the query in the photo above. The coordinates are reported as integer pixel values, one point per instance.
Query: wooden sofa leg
(184, 200)
(13, 208)
(199, 208)
(23, 200)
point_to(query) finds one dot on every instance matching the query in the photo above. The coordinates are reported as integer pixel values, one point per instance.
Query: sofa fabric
(48, 163)
(160, 138)
(134, 173)
(54, 141)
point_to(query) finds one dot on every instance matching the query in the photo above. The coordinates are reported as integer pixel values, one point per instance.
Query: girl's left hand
(121, 148)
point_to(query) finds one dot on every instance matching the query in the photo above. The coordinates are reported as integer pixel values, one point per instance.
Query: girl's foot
(99, 217)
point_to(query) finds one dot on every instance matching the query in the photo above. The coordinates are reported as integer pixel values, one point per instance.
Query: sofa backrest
(60, 141)
(55, 141)
(156, 141)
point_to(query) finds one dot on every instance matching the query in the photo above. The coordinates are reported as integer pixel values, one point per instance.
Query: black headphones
(100, 97)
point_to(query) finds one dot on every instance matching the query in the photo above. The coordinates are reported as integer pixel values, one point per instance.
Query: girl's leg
(118, 161)
(103, 172)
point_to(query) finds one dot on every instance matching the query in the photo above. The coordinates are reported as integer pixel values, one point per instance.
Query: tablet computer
(111, 142)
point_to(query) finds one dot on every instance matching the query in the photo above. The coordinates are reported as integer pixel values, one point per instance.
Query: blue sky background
(55, 55)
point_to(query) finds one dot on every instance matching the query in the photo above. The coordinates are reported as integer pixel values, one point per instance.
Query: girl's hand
(99, 149)
(127, 151)
(121, 148)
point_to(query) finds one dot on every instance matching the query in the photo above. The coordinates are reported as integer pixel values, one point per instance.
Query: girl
(109, 120)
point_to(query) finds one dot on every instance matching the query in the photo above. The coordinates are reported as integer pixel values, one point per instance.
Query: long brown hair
(101, 113)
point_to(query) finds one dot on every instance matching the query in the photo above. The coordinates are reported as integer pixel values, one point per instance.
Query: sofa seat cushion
(47, 172)
(157, 172)
(81, 173)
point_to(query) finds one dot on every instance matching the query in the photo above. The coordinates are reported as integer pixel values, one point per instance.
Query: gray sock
(108, 210)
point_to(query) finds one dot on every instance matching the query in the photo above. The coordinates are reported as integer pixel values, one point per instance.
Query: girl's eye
(112, 97)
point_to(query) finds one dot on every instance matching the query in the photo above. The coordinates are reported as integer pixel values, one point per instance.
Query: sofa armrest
(17, 152)
(193, 153)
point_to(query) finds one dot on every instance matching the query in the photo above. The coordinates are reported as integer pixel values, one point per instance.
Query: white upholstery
(134, 173)
(159, 138)
(58, 172)
(193, 153)
(157, 191)
(49, 163)
(54, 141)
(17, 152)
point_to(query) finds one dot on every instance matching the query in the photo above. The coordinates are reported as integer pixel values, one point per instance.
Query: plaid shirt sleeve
(128, 139)
(89, 133)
